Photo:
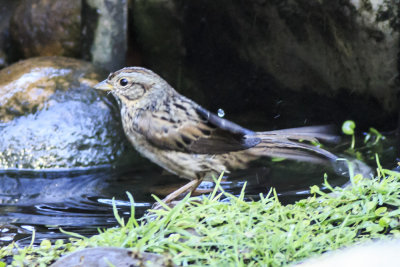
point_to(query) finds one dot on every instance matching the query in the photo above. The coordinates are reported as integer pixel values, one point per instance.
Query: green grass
(247, 233)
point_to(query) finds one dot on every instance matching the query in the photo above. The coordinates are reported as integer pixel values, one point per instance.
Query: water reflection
(79, 201)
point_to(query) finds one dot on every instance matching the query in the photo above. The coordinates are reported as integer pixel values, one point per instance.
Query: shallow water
(81, 200)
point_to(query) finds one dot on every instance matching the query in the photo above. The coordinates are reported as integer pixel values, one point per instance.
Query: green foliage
(248, 233)
(36, 256)
(374, 142)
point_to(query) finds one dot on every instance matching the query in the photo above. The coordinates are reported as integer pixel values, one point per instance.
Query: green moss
(242, 233)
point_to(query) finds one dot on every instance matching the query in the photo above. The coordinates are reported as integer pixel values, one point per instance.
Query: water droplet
(221, 113)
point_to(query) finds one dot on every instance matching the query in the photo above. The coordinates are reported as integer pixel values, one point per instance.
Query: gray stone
(109, 256)
(105, 27)
(380, 253)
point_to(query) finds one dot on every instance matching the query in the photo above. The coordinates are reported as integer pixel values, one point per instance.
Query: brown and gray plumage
(187, 140)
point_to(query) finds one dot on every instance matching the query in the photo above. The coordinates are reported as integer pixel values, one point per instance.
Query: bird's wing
(190, 128)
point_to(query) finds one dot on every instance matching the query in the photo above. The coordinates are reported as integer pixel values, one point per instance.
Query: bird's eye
(123, 82)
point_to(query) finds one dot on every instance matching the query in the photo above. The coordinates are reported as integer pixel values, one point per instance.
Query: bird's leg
(191, 186)
(198, 182)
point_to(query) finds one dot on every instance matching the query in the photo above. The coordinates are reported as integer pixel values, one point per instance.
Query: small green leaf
(45, 244)
(59, 243)
(276, 159)
(384, 221)
(348, 127)
(380, 211)
(314, 189)
(370, 205)
(116, 215)
(357, 178)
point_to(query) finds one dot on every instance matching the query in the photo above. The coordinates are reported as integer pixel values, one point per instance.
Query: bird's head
(133, 84)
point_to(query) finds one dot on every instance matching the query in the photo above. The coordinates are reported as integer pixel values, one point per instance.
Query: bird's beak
(104, 85)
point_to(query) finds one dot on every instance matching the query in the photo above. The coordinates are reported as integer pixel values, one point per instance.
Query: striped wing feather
(190, 128)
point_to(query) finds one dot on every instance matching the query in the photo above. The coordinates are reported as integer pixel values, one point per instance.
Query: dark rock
(109, 256)
(290, 62)
(47, 28)
(6, 10)
(50, 117)
(157, 27)
(3, 59)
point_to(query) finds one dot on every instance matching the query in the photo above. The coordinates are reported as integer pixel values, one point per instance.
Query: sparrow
(185, 139)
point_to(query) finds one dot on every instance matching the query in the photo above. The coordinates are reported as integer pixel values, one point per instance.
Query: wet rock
(47, 28)
(291, 62)
(50, 117)
(105, 32)
(109, 256)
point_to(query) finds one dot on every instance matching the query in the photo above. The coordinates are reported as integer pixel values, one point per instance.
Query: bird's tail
(296, 144)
